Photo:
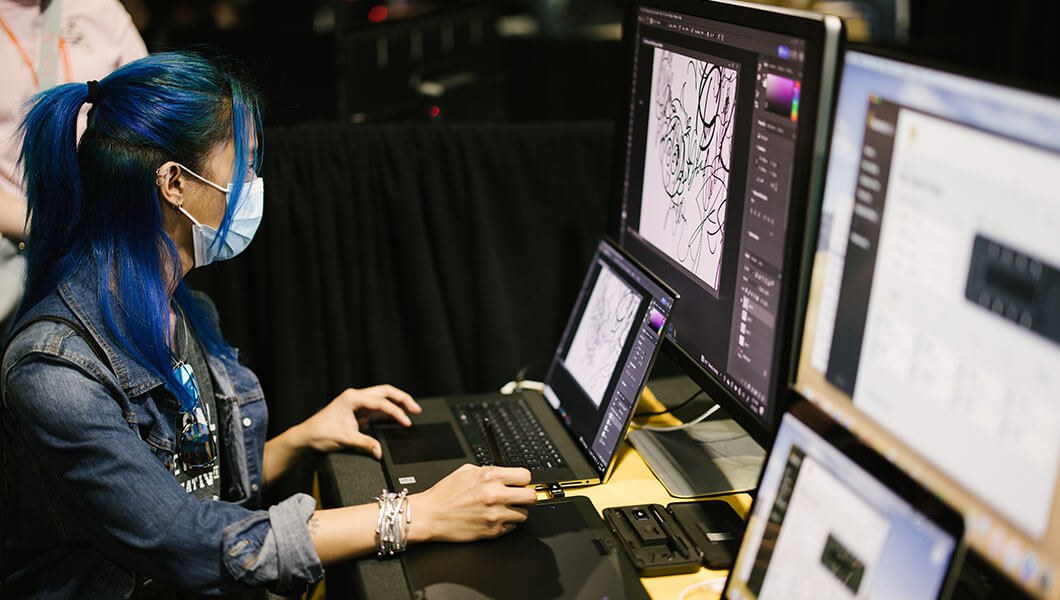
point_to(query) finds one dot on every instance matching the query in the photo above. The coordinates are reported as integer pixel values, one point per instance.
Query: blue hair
(97, 202)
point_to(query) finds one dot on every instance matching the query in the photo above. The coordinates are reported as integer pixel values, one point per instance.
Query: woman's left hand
(338, 425)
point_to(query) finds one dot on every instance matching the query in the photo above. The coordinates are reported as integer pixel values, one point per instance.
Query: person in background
(133, 439)
(44, 43)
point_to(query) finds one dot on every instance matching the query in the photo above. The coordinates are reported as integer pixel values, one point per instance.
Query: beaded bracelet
(395, 518)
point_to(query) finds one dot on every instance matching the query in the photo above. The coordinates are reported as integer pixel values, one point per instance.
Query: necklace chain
(186, 338)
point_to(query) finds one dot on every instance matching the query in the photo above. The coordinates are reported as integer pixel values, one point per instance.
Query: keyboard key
(521, 439)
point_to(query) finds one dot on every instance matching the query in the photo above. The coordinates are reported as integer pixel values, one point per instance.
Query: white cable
(715, 584)
(710, 411)
(522, 384)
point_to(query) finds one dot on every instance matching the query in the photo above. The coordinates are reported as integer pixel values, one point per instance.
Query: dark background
(451, 162)
(534, 60)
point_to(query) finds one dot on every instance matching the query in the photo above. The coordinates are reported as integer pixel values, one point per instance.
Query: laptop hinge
(554, 490)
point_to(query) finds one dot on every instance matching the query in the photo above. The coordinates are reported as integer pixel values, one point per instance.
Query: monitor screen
(834, 519)
(933, 316)
(721, 131)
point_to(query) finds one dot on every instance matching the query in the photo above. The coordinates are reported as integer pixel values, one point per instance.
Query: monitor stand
(712, 458)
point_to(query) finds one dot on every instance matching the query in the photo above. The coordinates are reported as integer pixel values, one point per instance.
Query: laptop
(834, 519)
(568, 433)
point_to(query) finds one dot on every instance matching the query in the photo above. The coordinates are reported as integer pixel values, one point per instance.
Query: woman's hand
(471, 503)
(338, 425)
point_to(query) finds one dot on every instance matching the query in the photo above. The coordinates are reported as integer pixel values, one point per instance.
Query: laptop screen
(833, 519)
(607, 350)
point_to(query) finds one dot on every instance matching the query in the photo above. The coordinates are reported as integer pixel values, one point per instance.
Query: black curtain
(439, 258)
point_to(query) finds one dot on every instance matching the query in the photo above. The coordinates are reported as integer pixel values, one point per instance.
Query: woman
(133, 439)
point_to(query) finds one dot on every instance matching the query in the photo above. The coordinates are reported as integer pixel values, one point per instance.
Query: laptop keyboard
(520, 439)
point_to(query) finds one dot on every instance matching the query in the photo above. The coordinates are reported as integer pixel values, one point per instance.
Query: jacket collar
(80, 293)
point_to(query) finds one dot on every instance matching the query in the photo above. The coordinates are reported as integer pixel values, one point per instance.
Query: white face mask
(249, 209)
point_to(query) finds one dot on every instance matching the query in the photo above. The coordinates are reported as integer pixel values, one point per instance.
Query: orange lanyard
(29, 63)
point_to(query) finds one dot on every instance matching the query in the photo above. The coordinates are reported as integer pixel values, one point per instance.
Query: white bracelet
(395, 518)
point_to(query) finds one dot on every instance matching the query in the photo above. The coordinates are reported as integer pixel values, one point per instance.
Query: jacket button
(254, 487)
(246, 421)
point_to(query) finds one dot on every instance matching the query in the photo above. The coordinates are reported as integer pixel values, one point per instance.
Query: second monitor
(723, 142)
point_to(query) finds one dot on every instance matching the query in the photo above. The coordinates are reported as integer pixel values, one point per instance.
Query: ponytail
(54, 194)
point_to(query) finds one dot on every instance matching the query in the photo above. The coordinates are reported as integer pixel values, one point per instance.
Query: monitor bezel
(893, 52)
(824, 36)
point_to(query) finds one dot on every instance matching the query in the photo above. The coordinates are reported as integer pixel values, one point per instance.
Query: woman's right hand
(471, 503)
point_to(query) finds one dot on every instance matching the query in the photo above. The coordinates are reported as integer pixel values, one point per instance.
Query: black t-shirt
(204, 483)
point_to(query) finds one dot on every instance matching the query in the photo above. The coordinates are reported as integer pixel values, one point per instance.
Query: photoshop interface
(693, 156)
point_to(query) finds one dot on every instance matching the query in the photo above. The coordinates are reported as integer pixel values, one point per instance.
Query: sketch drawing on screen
(687, 161)
(597, 344)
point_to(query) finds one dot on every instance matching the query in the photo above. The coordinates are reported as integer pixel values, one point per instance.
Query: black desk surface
(347, 479)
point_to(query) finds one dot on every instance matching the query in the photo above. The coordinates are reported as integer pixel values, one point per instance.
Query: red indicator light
(377, 14)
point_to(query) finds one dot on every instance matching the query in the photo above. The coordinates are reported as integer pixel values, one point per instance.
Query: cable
(521, 383)
(671, 409)
(710, 411)
(524, 384)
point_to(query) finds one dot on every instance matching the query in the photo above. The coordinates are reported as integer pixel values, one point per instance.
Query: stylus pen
(670, 535)
(491, 439)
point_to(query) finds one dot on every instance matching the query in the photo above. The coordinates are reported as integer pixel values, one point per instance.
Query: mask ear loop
(206, 181)
(181, 208)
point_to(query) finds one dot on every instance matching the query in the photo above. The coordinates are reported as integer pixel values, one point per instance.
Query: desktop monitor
(932, 322)
(720, 144)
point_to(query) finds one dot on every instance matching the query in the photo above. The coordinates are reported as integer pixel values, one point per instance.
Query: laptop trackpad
(421, 443)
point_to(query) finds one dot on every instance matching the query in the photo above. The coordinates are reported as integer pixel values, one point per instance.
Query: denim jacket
(90, 509)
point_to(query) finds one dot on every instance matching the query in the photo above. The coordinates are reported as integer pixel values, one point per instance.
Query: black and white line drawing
(603, 330)
(689, 154)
